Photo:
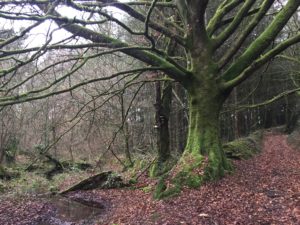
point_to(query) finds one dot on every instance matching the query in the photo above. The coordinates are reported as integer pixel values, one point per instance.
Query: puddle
(70, 212)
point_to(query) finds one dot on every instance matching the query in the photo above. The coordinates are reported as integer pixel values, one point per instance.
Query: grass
(36, 183)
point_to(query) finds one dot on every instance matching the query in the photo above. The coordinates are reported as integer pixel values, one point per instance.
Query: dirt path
(263, 190)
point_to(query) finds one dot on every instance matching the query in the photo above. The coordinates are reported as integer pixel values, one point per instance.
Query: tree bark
(203, 158)
(1, 155)
(127, 145)
(203, 134)
(125, 132)
(162, 117)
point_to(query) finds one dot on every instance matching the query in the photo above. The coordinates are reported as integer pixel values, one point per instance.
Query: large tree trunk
(203, 141)
(203, 158)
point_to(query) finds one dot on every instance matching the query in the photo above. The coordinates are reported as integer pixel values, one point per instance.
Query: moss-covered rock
(294, 138)
(244, 148)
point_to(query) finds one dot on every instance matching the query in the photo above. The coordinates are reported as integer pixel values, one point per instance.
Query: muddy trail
(263, 190)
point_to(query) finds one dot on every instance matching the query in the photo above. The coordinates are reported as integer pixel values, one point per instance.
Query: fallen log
(103, 180)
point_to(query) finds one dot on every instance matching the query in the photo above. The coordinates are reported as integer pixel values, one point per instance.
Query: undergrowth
(36, 183)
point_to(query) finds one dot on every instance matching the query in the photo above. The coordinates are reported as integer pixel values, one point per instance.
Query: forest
(149, 112)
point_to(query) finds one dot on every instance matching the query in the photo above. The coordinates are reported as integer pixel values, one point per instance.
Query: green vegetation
(244, 148)
(294, 138)
(193, 169)
(146, 189)
(18, 180)
(160, 168)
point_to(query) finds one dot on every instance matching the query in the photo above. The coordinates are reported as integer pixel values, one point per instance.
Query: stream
(71, 212)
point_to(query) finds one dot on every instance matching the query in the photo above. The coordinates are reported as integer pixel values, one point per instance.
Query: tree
(213, 65)
(162, 116)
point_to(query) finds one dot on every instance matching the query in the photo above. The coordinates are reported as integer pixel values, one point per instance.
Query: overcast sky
(38, 35)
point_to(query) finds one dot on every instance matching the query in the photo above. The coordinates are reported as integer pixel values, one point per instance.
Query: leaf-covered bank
(263, 190)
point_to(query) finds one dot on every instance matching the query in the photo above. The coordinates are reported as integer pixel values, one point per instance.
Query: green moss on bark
(203, 158)
(161, 167)
(187, 173)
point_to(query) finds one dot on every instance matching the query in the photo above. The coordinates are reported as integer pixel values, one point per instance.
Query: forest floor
(263, 190)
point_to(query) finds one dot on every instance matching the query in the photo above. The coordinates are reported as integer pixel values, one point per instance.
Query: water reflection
(69, 212)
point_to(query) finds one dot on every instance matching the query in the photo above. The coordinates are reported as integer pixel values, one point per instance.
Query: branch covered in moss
(223, 36)
(245, 33)
(256, 64)
(222, 10)
(262, 42)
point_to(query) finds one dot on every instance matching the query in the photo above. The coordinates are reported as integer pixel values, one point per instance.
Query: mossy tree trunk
(203, 158)
(206, 97)
(203, 148)
(203, 134)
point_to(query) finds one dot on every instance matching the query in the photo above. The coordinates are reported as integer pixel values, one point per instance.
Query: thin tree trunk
(70, 146)
(126, 139)
(1, 155)
(162, 117)
(53, 128)
(236, 127)
(125, 132)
